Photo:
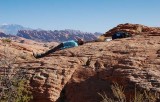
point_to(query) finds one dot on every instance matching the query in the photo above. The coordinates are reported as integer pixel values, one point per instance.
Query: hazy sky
(85, 15)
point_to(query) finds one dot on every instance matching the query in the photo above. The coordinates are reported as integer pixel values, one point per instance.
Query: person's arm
(91, 41)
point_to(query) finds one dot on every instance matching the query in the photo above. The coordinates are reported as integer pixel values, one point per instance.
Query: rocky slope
(57, 36)
(79, 74)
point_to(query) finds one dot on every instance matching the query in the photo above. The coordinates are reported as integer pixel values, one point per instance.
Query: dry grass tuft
(101, 38)
(118, 92)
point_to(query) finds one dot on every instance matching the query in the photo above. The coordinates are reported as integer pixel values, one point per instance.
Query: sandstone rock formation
(56, 36)
(134, 29)
(79, 74)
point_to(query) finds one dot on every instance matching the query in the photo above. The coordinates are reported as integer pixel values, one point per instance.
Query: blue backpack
(118, 35)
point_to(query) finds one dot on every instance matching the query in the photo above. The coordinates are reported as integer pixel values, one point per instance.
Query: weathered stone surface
(135, 29)
(79, 74)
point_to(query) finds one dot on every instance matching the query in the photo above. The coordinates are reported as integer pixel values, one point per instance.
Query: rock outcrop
(79, 74)
(56, 36)
(134, 29)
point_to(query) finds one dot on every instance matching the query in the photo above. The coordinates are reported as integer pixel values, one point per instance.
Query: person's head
(80, 41)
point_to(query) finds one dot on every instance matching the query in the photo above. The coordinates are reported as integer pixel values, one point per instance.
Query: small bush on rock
(13, 83)
(119, 96)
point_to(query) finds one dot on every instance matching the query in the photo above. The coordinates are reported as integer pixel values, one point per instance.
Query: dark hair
(80, 42)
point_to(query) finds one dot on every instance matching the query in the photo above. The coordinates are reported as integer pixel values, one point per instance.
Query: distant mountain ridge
(56, 35)
(12, 29)
(46, 35)
(3, 34)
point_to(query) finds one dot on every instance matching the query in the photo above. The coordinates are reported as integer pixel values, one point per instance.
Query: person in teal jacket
(61, 46)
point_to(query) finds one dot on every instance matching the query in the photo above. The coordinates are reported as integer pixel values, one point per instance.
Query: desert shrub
(45, 45)
(6, 40)
(139, 29)
(118, 92)
(101, 38)
(105, 98)
(21, 41)
(13, 83)
(145, 96)
(119, 96)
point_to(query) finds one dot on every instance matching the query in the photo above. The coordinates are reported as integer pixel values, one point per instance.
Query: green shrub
(13, 82)
(6, 40)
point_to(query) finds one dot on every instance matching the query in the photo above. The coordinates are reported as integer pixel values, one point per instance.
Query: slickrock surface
(134, 29)
(79, 74)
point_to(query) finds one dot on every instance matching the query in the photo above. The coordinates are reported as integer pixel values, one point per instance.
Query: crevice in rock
(88, 61)
(62, 97)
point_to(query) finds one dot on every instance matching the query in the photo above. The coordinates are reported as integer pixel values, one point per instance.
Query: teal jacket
(69, 44)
